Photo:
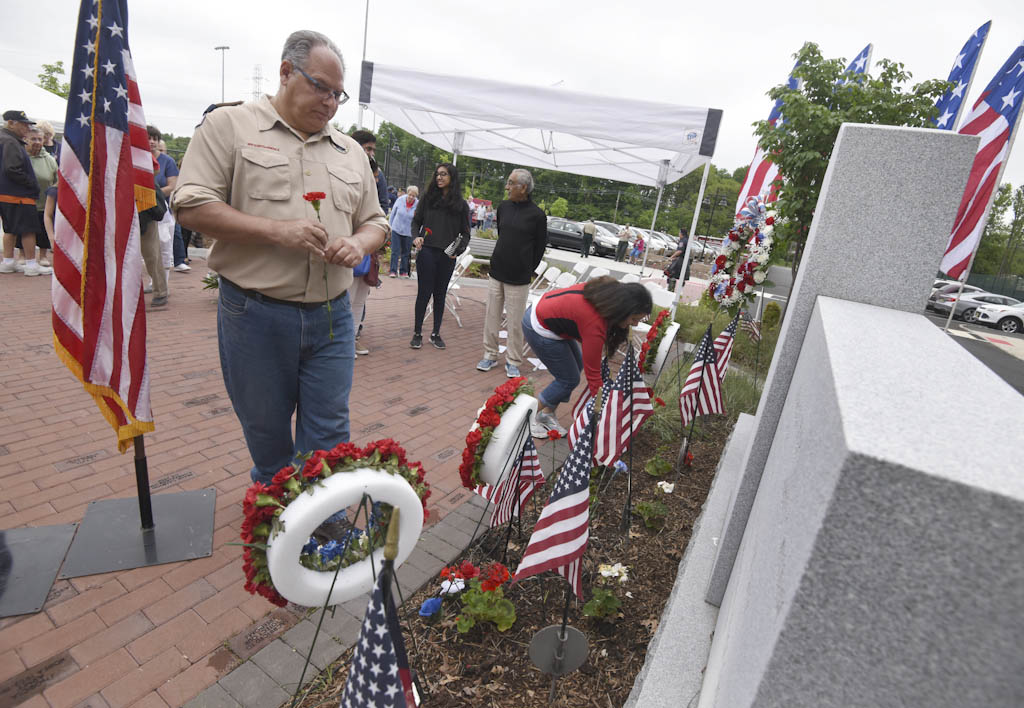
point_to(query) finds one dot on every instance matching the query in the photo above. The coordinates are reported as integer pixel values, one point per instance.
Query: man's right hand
(305, 234)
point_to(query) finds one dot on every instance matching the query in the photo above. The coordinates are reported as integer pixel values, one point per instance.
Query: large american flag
(580, 416)
(627, 405)
(994, 118)
(723, 346)
(506, 503)
(379, 675)
(560, 536)
(106, 174)
(702, 392)
(762, 173)
(962, 74)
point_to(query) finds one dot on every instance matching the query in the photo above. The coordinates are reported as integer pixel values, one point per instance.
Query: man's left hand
(344, 252)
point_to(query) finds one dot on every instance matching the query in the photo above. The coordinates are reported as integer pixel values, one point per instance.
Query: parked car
(564, 233)
(1008, 318)
(941, 282)
(946, 290)
(966, 307)
(605, 242)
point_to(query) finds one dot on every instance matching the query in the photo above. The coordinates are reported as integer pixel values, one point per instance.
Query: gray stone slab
(451, 533)
(410, 579)
(730, 465)
(882, 221)
(884, 557)
(676, 656)
(325, 650)
(252, 688)
(343, 626)
(282, 663)
(432, 543)
(357, 606)
(213, 697)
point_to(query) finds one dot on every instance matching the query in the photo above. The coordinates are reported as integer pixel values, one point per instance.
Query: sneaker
(45, 262)
(550, 423)
(20, 266)
(8, 268)
(182, 268)
(147, 289)
(436, 340)
(361, 350)
(37, 270)
(158, 301)
(407, 276)
(392, 274)
(486, 365)
(417, 341)
(512, 371)
(538, 430)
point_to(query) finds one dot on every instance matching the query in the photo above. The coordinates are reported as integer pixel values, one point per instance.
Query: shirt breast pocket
(267, 175)
(346, 186)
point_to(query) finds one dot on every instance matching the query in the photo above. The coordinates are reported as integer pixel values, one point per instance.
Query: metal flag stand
(114, 535)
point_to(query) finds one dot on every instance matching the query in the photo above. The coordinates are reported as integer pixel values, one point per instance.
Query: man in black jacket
(522, 237)
(19, 191)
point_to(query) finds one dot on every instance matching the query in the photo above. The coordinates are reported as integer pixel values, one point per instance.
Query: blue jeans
(278, 360)
(401, 249)
(563, 359)
(180, 254)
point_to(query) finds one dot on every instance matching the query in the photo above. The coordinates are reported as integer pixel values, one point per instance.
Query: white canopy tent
(642, 142)
(39, 104)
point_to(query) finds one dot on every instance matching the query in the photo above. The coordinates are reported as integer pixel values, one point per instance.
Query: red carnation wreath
(487, 420)
(264, 503)
(654, 336)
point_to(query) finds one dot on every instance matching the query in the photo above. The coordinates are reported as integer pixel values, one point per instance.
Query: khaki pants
(511, 298)
(150, 239)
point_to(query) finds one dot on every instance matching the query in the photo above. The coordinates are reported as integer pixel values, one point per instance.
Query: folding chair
(578, 270)
(660, 296)
(597, 273)
(451, 298)
(630, 278)
(545, 280)
(539, 272)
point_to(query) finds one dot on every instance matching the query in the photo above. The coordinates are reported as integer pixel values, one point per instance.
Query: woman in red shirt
(597, 315)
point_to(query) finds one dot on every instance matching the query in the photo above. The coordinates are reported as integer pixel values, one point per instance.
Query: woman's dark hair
(615, 302)
(436, 199)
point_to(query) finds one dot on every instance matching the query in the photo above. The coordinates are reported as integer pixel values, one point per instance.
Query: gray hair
(524, 178)
(299, 44)
(412, 188)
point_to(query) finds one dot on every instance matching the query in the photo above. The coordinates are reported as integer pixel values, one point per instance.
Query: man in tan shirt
(283, 317)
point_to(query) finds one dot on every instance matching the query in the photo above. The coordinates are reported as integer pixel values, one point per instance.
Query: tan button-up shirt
(247, 157)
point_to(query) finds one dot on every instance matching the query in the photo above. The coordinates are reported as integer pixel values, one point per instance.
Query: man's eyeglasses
(324, 91)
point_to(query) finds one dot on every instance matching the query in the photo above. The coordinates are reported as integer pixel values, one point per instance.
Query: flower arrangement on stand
(653, 341)
(742, 260)
(486, 421)
(483, 601)
(264, 504)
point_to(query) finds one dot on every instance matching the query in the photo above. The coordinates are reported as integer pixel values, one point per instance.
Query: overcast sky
(719, 54)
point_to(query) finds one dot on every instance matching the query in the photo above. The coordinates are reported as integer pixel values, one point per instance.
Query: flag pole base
(30, 560)
(111, 536)
(558, 650)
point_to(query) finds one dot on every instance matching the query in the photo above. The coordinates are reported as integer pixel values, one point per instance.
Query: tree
(1013, 261)
(996, 236)
(801, 145)
(50, 79)
(559, 207)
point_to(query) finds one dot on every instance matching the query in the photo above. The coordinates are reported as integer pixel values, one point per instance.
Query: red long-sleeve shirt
(565, 313)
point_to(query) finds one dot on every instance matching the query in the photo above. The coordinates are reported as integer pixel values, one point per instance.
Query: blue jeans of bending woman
(564, 360)
(401, 247)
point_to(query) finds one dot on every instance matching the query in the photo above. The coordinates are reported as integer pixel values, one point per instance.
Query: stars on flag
(951, 102)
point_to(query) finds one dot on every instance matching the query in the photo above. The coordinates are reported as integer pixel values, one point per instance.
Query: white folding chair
(539, 272)
(451, 298)
(630, 278)
(660, 296)
(544, 283)
(597, 273)
(578, 270)
(564, 280)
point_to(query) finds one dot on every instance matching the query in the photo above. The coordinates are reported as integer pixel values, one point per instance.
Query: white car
(1008, 318)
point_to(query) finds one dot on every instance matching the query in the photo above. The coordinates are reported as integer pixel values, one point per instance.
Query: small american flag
(626, 408)
(723, 346)
(702, 392)
(106, 174)
(962, 74)
(749, 325)
(859, 64)
(994, 118)
(560, 536)
(508, 505)
(379, 675)
(580, 417)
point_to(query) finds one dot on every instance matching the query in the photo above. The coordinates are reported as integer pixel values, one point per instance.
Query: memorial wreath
(487, 420)
(742, 260)
(653, 341)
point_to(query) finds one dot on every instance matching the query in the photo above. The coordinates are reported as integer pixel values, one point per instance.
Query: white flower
(666, 486)
(629, 594)
(759, 276)
(614, 571)
(450, 587)
(767, 230)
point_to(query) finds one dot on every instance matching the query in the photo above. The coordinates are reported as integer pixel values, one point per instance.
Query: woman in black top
(441, 224)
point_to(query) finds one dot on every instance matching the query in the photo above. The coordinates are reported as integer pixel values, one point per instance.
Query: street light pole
(222, 50)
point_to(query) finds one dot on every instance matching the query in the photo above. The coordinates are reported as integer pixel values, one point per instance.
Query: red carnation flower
(488, 419)
(720, 261)
(659, 401)
(554, 435)
(688, 460)
(314, 196)
(770, 220)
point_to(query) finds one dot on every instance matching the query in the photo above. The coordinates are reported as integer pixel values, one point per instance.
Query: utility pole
(257, 82)
(618, 194)
(223, 50)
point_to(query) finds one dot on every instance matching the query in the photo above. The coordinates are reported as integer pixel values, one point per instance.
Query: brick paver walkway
(161, 635)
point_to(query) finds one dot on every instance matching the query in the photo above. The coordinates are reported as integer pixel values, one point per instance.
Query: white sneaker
(361, 350)
(551, 423)
(37, 270)
(8, 268)
(182, 268)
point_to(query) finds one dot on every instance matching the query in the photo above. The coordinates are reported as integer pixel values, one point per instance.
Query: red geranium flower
(659, 401)
(688, 460)
(467, 570)
(496, 575)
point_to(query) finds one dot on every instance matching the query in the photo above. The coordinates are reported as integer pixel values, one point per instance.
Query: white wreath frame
(310, 588)
(664, 347)
(498, 459)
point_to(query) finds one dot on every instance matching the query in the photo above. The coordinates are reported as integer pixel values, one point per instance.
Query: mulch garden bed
(488, 668)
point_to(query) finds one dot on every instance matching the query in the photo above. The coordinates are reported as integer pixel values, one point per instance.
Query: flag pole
(519, 480)
(689, 240)
(627, 511)
(142, 484)
(700, 387)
